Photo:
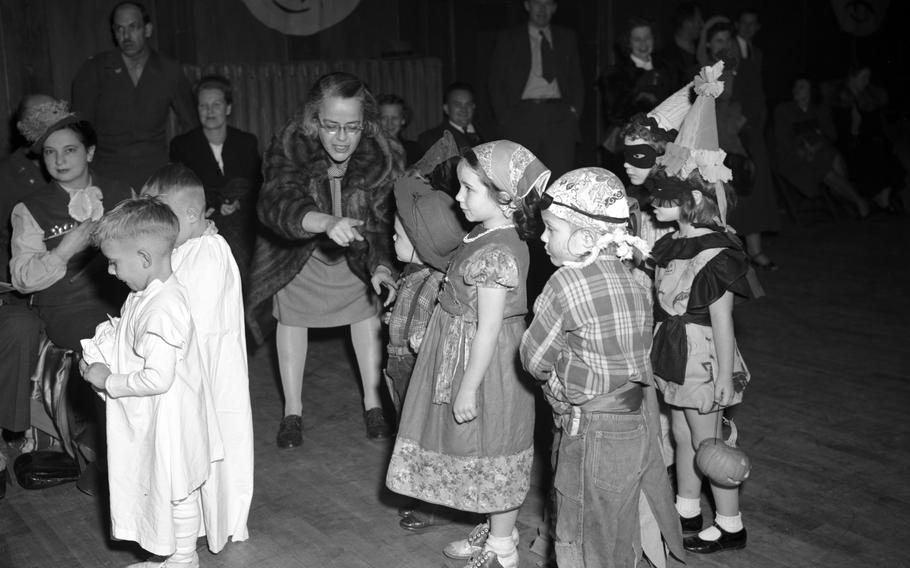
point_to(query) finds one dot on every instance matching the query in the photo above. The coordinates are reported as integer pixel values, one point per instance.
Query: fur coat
(296, 182)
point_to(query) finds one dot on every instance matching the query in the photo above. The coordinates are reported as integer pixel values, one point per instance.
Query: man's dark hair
(146, 19)
(457, 86)
(684, 11)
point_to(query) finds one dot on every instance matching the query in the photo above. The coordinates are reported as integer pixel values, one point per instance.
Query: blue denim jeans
(601, 462)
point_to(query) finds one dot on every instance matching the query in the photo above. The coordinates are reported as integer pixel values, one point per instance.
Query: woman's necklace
(468, 239)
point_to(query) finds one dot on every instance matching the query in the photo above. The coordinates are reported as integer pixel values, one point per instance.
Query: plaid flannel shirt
(591, 334)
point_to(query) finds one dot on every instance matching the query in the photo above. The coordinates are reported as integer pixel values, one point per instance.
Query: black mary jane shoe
(290, 432)
(727, 541)
(691, 525)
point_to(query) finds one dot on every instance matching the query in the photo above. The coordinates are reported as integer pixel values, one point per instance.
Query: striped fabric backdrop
(267, 94)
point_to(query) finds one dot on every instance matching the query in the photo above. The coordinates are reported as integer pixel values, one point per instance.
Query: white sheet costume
(206, 267)
(162, 432)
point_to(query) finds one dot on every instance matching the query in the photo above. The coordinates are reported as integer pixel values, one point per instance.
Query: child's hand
(723, 391)
(96, 374)
(230, 207)
(465, 407)
(382, 278)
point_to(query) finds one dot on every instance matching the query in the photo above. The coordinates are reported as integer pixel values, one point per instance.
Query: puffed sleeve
(492, 267)
(728, 271)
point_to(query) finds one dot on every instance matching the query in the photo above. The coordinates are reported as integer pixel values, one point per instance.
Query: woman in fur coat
(326, 254)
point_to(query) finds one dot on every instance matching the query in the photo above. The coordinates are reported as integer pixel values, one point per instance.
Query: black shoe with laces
(377, 427)
(290, 432)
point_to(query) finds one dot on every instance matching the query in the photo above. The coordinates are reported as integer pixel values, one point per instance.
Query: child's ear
(697, 196)
(146, 257)
(581, 241)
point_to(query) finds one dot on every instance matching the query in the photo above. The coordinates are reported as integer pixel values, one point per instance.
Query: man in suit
(536, 87)
(458, 107)
(227, 162)
(126, 94)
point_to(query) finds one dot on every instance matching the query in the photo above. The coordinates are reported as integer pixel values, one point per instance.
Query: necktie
(547, 59)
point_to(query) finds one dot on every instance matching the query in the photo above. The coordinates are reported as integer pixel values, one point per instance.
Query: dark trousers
(548, 129)
(20, 340)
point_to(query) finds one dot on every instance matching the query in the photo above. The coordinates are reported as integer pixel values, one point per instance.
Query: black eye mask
(640, 156)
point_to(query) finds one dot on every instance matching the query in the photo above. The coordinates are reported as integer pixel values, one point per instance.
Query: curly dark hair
(707, 212)
(646, 129)
(526, 213)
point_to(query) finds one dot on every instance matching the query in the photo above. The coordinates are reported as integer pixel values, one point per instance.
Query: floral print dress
(483, 465)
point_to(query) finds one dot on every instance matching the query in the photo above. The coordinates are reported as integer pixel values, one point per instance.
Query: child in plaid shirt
(427, 233)
(589, 342)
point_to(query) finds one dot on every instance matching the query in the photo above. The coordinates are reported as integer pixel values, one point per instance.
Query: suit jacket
(511, 65)
(240, 155)
(429, 137)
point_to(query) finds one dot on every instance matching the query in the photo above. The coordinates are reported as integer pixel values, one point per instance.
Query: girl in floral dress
(466, 434)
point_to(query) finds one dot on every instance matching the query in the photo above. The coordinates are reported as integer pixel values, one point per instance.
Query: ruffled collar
(669, 248)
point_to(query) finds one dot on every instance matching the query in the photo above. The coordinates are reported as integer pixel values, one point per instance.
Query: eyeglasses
(334, 128)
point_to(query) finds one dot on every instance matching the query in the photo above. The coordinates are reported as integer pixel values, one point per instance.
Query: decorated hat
(512, 167)
(669, 114)
(594, 199)
(696, 148)
(429, 219)
(43, 119)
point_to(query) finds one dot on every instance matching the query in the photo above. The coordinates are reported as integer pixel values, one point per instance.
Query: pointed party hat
(696, 145)
(669, 114)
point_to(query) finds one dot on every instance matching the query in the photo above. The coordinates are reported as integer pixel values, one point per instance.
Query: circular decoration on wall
(301, 17)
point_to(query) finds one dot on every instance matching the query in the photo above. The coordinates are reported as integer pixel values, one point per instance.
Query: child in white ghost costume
(204, 264)
(162, 433)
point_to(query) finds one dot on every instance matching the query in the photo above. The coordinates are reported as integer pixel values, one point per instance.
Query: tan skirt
(324, 294)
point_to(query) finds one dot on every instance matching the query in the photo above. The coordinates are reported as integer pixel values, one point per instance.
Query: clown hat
(669, 114)
(696, 146)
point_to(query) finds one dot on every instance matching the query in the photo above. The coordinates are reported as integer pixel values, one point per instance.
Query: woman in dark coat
(327, 248)
(228, 163)
(741, 118)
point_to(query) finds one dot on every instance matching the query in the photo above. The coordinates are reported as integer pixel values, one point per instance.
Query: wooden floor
(825, 421)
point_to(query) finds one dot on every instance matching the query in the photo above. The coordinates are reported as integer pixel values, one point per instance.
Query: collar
(641, 63)
(744, 47)
(534, 32)
(113, 59)
(469, 130)
(672, 247)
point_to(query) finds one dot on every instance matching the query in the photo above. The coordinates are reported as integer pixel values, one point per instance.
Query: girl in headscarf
(466, 434)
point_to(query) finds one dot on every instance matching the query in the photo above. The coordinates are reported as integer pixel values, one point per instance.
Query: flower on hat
(39, 118)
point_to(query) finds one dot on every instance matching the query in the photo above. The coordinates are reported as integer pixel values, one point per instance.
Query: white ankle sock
(688, 508)
(505, 548)
(729, 524)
